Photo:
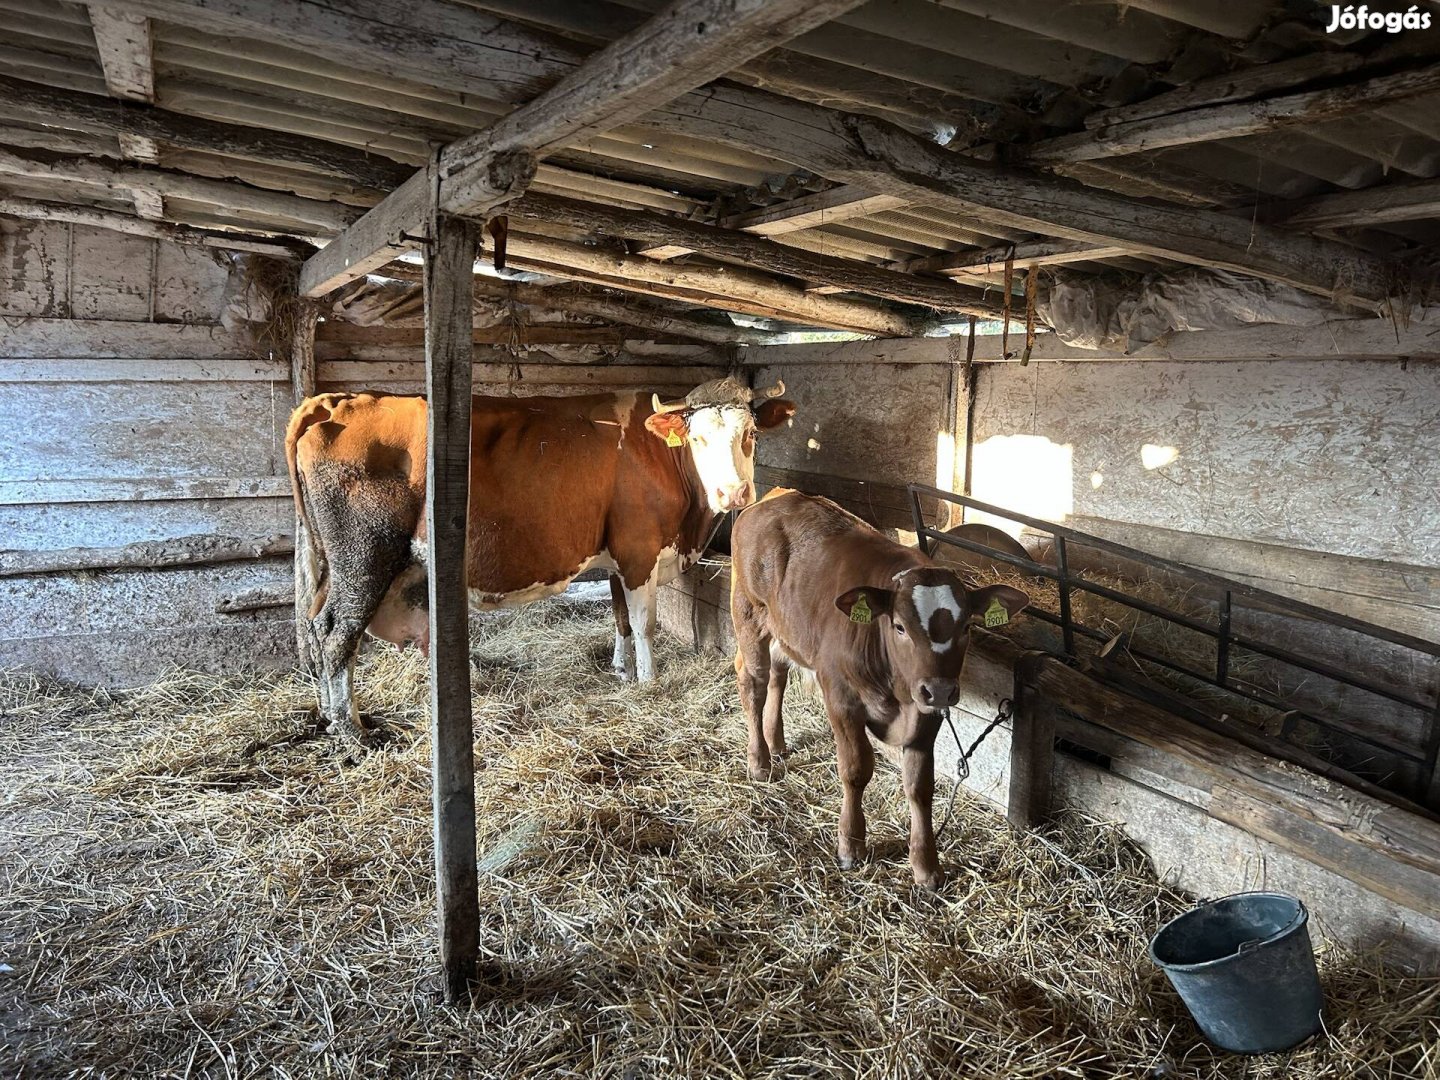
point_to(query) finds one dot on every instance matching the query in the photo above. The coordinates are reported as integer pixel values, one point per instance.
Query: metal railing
(1222, 632)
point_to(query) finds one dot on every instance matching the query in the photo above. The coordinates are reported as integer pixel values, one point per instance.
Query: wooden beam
(1390, 850)
(685, 46)
(847, 275)
(198, 550)
(58, 108)
(740, 290)
(659, 316)
(1235, 119)
(1372, 206)
(619, 307)
(1023, 256)
(315, 214)
(811, 211)
(123, 41)
(889, 160)
(156, 230)
(124, 44)
(448, 270)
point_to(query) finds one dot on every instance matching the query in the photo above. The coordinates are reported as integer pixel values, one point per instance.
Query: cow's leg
(775, 701)
(918, 772)
(307, 590)
(641, 603)
(623, 663)
(364, 552)
(856, 763)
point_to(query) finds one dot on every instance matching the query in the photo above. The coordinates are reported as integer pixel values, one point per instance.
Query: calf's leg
(856, 763)
(918, 773)
(775, 701)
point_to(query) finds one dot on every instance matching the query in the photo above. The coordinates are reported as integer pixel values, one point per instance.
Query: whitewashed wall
(133, 416)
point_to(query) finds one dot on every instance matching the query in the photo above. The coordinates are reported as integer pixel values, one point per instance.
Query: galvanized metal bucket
(1245, 969)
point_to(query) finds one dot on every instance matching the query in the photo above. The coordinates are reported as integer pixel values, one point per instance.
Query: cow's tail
(309, 553)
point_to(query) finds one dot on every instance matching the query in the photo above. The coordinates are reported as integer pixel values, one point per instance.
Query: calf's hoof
(766, 771)
(931, 879)
(852, 855)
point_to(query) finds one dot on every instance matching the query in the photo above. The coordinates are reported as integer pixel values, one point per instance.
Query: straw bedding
(199, 883)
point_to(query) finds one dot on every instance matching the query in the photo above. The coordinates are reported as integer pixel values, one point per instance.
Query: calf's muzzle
(937, 693)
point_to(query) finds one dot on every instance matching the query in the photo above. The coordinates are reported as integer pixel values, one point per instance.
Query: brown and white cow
(557, 485)
(883, 627)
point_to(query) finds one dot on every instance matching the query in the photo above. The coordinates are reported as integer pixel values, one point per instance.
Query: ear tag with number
(860, 611)
(672, 439)
(995, 614)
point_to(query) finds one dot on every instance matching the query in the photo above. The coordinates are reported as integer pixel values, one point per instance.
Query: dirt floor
(197, 882)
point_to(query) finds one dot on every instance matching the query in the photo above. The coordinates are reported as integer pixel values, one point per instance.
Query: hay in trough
(199, 883)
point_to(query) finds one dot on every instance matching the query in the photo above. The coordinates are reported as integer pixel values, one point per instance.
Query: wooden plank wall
(133, 415)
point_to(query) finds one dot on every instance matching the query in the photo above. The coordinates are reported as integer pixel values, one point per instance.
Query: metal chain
(1005, 712)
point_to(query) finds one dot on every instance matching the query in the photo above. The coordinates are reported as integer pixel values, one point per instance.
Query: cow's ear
(995, 605)
(865, 604)
(769, 414)
(668, 426)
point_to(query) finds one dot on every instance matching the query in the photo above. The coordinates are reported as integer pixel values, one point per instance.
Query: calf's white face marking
(928, 599)
(722, 444)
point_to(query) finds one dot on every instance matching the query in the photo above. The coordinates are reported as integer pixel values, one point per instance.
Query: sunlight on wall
(1028, 473)
(1096, 479)
(1157, 457)
(945, 461)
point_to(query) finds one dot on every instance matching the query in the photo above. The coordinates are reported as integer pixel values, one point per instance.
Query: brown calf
(882, 626)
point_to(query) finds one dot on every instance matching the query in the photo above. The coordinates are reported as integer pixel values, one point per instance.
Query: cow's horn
(770, 392)
(661, 407)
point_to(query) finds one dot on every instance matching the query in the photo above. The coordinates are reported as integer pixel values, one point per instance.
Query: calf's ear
(771, 414)
(995, 605)
(668, 426)
(865, 604)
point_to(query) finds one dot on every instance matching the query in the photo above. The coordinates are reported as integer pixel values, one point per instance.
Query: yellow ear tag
(860, 611)
(672, 439)
(995, 614)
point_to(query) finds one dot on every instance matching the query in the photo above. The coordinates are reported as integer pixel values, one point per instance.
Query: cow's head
(716, 422)
(925, 620)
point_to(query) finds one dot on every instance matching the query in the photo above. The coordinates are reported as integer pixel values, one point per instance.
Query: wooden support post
(302, 350)
(1032, 748)
(449, 290)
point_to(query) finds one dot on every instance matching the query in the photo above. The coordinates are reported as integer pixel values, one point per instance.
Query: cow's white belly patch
(490, 601)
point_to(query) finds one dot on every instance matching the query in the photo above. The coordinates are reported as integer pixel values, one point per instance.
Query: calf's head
(924, 623)
(716, 425)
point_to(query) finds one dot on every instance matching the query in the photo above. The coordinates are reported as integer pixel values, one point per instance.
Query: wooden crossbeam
(1021, 256)
(724, 287)
(1234, 119)
(40, 210)
(794, 215)
(315, 215)
(56, 107)
(688, 44)
(1372, 206)
(842, 274)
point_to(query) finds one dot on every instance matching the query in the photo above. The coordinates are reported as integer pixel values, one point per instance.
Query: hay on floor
(198, 883)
